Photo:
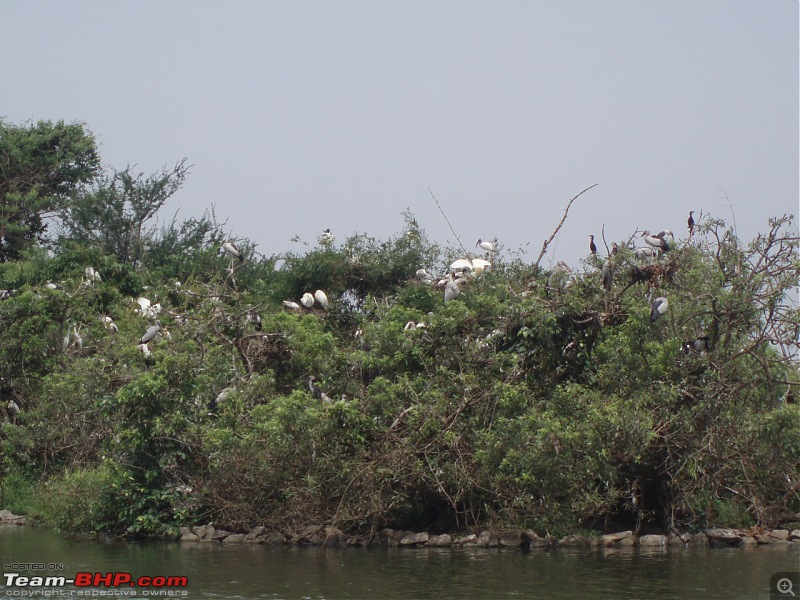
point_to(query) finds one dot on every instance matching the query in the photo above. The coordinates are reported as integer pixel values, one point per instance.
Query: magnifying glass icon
(784, 586)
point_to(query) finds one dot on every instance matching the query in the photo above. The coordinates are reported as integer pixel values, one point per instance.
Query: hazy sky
(301, 115)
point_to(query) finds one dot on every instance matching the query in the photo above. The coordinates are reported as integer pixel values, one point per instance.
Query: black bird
(690, 222)
(697, 346)
(592, 246)
(255, 319)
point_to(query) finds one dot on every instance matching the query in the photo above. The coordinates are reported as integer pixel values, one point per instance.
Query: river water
(258, 571)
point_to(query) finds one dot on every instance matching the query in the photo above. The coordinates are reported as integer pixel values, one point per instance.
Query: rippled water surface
(256, 571)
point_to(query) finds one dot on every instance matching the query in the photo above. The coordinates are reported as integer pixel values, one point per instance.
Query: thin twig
(555, 231)
(448, 222)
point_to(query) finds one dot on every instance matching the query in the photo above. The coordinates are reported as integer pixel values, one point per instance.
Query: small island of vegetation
(159, 382)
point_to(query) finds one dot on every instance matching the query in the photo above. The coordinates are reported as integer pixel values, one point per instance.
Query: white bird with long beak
(486, 245)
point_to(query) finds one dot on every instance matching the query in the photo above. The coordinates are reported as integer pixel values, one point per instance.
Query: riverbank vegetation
(531, 400)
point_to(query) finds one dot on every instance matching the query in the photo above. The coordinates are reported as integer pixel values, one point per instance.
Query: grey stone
(185, 530)
(628, 542)
(235, 538)
(259, 530)
(488, 539)
(573, 540)
(189, 537)
(653, 541)
(795, 534)
(357, 540)
(699, 540)
(220, 534)
(779, 534)
(440, 540)
(724, 536)
(674, 540)
(414, 539)
(201, 530)
(614, 538)
(274, 539)
(749, 541)
(466, 540)
(511, 539)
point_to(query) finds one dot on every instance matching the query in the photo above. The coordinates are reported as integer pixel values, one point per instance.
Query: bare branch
(564, 218)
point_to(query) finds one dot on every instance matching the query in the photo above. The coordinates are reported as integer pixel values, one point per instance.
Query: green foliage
(521, 403)
(41, 166)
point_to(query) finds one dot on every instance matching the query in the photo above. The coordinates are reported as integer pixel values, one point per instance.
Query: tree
(114, 215)
(41, 166)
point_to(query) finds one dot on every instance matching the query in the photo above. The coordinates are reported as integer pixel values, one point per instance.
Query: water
(257, 571)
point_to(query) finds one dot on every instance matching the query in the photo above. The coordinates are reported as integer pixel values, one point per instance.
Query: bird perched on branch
(486, 245)
(151, 333)
(231, 250)
(646, 252)
(451, 289)
(316, 391)
(690, 222)
(607, 275)
(697, 346)
(214, 404)
(13, 410)
(658, 308)
(592, 245)
(656, 241)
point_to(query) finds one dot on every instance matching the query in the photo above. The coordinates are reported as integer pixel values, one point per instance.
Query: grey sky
(303, 115)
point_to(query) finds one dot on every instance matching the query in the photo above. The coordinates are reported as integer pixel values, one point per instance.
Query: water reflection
(255, 571)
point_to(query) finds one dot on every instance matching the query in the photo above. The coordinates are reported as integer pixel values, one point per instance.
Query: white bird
(92, 276)
(658, 308)
(486, 245)
(423, 275)
(291, 305)
(144, 349)
(321, 298)
(451, 290)
(307, 300)
(607, 275)
(254, 318)
(109, 324)
(655, 241)
(479, 265)
(460, 265)
(664, 233)
(52, 286)
(13, 410)
(645, 252)
(231, 250)
(326, 237)
(410, 325)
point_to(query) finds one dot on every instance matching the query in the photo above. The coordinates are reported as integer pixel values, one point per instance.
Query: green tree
(115, 214)
(41, 166)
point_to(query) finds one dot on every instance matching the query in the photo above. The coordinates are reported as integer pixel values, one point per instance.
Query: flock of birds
(459, 273)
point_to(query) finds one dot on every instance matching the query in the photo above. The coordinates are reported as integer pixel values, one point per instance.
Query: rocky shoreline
(320, 535)
(327, 536)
